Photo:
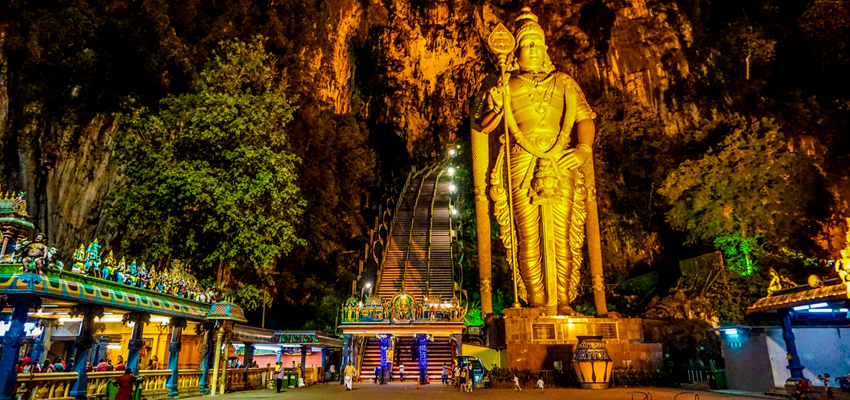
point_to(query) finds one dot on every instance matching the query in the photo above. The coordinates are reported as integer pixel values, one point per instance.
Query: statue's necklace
(539, 92)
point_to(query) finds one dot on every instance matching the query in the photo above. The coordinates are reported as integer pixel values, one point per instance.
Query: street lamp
(451, 171)
(452, 188)
(452, 152)
(363, 292)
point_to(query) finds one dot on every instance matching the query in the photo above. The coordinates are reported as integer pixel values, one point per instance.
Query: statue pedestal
(536, 341)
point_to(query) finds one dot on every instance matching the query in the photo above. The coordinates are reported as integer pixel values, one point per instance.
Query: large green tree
(209, 177)
(754, 188)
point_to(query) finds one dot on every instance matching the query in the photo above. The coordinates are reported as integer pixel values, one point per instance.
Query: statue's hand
(495, 98)
(573, 158)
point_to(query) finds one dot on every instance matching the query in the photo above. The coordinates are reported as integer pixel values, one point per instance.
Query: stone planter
(592, 363)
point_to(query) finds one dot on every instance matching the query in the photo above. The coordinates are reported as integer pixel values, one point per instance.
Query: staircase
(422, 235)
(439, 353)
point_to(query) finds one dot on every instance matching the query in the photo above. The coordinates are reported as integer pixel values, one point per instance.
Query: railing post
(13, 340)
(136, 343)
(83, 345)
(173, 383)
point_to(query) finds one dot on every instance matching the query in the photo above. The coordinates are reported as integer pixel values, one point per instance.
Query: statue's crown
(527, 24)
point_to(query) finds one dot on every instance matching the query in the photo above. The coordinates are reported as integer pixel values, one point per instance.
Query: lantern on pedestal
(592, 363)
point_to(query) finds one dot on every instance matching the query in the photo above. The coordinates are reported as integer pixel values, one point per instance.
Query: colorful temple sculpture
(160, 324)
(416, 316)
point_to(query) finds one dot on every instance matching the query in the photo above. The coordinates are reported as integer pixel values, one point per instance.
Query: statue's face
(531, 53)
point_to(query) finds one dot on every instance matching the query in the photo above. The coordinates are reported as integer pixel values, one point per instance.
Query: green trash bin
(716, 379)
(293, 379)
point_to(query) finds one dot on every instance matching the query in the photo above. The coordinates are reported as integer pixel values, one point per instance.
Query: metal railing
(412, 224)
(431, 232)
(386, 245)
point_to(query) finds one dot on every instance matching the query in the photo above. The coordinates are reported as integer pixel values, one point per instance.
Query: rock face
(410, 65)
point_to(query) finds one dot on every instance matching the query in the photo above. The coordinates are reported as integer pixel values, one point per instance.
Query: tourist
(463, 375)
(401, 371)
(332, 370)
(70, 364)
(102, 366)
(120, 366)
(28, 366)
(110, 366)
(125, 385)
(825, 379)
(377, 373)
(800, 388)
(516, 383)
(349, 376)
(19, 367)
(27, 360)
(89, 367)
(445, 374)
(255, 365)
(540, 384)
(58, 365)
(47, 367)
(278, 378)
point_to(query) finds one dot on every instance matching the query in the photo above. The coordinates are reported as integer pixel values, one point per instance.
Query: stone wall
(537, 342)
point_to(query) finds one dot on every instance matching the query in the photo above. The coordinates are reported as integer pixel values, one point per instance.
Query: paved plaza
(404, 391)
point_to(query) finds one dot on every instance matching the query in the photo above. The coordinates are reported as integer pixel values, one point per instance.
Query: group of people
(27, 365)
(458, 376)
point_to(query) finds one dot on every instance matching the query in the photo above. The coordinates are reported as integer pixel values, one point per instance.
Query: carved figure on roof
(93, 262)
(20, 204)
(778, 282)
(108, 267)
(36, 255)
(121, 271)
(143, 276)
(79, 260)
(52, 262)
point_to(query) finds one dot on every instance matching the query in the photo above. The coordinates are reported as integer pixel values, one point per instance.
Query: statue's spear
(501, 43)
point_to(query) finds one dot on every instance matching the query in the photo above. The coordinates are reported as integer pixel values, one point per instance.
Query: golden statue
(544, 176)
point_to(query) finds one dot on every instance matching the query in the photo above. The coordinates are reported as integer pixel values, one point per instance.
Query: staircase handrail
(431, 232)
(412, 223)
(410, 175)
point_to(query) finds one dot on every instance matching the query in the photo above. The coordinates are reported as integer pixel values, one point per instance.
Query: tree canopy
(209, 177)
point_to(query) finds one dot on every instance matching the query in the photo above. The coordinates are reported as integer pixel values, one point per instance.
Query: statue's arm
(491, 118)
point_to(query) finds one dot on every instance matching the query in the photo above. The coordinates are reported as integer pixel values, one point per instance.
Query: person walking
(516, 383)
(445, 374)
(349, 376)
(377, 373)
(463, 378)
(401, 371)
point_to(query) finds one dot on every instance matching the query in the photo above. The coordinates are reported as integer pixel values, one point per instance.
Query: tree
(209, 178)
(751, 186)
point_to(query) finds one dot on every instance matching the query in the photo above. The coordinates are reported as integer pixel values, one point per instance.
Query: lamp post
(363, 292)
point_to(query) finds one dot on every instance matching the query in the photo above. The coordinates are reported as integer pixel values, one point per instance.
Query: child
(516, 383)
(540, 384)
(825, 379)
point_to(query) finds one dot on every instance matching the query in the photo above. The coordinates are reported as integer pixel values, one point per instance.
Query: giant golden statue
(543, 174)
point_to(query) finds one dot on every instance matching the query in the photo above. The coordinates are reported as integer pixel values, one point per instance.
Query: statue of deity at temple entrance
(539, 183)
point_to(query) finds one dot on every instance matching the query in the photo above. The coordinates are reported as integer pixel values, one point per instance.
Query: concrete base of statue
(536, 341)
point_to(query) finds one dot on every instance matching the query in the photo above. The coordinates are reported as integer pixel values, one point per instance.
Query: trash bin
(292, 379)
(716, 379)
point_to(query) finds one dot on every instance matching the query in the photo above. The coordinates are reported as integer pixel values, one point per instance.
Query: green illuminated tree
(209, 178)
(753, 188)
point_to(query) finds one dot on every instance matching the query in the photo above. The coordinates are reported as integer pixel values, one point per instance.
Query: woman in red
(125, 385)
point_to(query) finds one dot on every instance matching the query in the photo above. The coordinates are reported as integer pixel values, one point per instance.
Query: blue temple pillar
(206, 356)
(99, 350)
(82, 345)
(248, 359)
(347, 348)
(38, 346)
(423, 359)
(303, 361)
(385, 339)
(173, 382)
(134, 346)
(324, 358)
(791, 347)
(278, 353)
(13, 340)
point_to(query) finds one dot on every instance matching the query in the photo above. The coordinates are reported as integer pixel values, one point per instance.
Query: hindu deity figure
(121, 271)
(108, 267)
(36, 255)
(540, 180)
(92, 262)
(132, 274)
(79, 260)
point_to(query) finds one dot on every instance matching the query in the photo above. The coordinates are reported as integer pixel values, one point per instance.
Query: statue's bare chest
(537, 104)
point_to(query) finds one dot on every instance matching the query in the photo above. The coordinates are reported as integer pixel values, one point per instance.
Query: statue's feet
(568, 311)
